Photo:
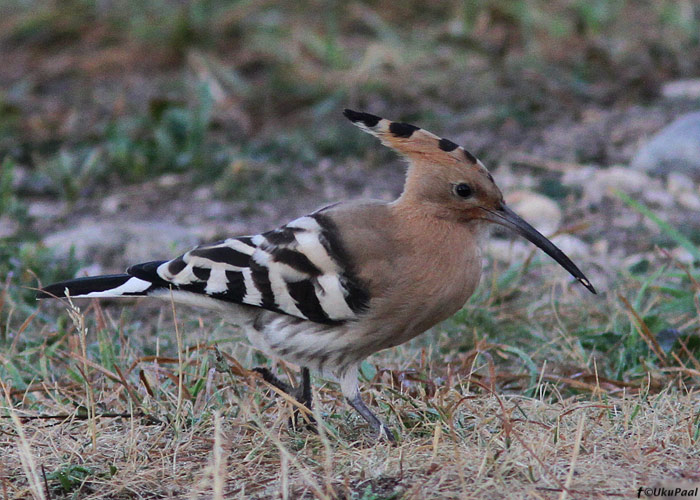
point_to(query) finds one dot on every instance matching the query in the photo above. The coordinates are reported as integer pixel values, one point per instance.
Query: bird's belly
(325, 348)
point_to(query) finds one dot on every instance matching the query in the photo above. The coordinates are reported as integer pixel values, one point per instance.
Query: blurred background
(132, 130)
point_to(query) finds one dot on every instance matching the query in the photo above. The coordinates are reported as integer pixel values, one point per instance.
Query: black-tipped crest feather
(369, 120)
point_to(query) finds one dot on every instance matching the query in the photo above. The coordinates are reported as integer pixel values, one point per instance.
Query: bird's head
(453, 182)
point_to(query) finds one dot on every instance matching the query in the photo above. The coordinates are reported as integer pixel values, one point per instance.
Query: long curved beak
(504, 216)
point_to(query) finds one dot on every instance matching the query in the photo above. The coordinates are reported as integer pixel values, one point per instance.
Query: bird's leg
(304, 395)
(301, 393)
(272, 379)
(377, 425)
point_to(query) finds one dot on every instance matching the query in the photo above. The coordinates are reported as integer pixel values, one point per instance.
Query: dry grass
(571, 396)
(485, 447)
(189, 426)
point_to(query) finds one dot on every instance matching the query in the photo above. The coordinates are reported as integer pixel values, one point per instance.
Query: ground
(132, 132)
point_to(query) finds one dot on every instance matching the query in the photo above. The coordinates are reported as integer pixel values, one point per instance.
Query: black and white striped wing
(300, 269)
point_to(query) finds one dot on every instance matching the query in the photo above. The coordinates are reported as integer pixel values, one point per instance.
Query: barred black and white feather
(300, 270)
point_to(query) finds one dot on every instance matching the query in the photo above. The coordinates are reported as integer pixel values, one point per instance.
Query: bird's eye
(463, 190)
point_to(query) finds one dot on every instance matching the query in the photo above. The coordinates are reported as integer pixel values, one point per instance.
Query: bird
(330, 288)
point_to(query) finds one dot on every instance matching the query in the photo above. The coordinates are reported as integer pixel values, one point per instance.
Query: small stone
(682, 89)
(90, 270)
(675, 148)
(650, 227)
(169, 180)
(682, 255)
(202, 193)
(215, 209)
(111, 204)
(659, 197)
(677, 183)
(8, 226)
(572, 246)
(46, 209)
(578, 176)
(506, 250)
(20, 175)
(507, 180)
(626, 220)
(131, 241)
(540, 211)
(689, 200)
(601, 247)
(636, 259)
(618, 178)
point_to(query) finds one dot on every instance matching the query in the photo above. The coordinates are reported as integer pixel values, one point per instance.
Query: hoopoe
(328, 289)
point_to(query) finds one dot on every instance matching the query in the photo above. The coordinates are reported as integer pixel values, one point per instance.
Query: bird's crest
(412, 142)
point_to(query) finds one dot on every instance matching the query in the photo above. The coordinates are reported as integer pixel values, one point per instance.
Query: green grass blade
(665, 227)
(529, 363)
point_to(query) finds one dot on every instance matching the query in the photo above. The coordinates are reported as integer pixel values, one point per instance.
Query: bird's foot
(302, 422)
(382, 431)
(302, 393)
(385, 432)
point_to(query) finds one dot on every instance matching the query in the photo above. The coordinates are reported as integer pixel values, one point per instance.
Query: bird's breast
(431, 282)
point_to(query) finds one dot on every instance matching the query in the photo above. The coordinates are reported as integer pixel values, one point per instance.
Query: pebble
(682, 255)
(90, 270)
(539, 210)
(518, 249)
(8, 226)
(169, 180)
(132, 241)
(682, 89)
(508, 180)
(112, 204)
(203, 193)
(626, 219)
(46, 209)
(578, 176)
(600, 247)
(617, 177)
(675, 148)
(677, 183)
(659, 198)
(572, 246)
(507, 250)
(689, 200)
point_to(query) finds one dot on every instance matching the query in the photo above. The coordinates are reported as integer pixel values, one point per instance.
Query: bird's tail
(113, 285)
(138, 281)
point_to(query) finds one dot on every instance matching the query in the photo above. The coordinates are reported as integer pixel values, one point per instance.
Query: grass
(505, 398)
(169, 138)
(23, 258)
(127, 425)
